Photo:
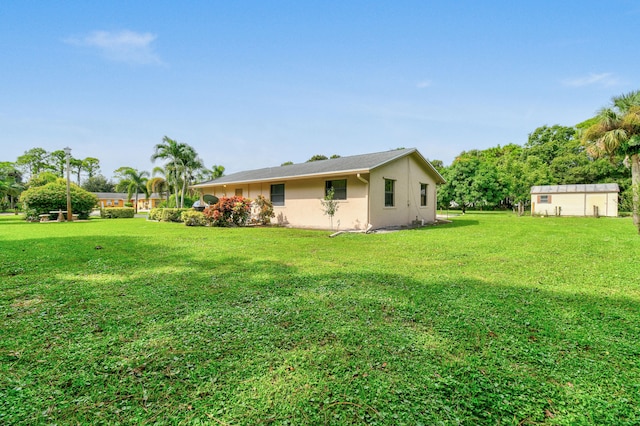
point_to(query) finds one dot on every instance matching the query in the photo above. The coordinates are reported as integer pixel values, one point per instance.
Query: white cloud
(605, 79)
(121, 46)
(423, 84)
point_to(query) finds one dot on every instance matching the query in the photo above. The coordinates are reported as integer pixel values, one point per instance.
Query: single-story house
(383, 189)
(118, 199)
(111, 199)
(598, 199)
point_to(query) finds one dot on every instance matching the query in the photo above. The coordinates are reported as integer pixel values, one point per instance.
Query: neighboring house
(599, 199)
(147, 204)
(111, 199)
(117, 199)
(391, 188)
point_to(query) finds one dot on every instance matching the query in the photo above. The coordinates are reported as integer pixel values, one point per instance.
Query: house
(147, 204)
(600, 199)
(391, 188)
(119, 199)
(111, 199)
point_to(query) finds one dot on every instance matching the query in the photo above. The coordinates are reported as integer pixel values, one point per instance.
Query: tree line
(181, 166)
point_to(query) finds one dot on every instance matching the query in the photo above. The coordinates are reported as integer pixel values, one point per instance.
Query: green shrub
(117, 213)
(193, 218)
(166, 214)
(154, 214)
(264, 209)
(53, 196)
(229, 211)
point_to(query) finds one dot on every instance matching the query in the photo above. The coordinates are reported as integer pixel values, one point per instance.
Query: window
(238, 192)
(389, 189)
(423, 194)
(117, 203)
(544, 199)
(339, 188)
(277, 194)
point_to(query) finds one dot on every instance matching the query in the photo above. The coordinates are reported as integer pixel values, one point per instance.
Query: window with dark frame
(389, 190)
(277, 194)
(339, 188)
(423, 194)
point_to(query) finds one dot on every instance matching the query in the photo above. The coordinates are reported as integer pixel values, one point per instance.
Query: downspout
(366, 182)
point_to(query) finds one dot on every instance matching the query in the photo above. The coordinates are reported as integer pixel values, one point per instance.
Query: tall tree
(617, 132)
(34, 161)
(132, 181)
(98, 183)
(76, 168)
(172, 152)
(182, 162)
(58, 162)
(91, 165)
(472, 181)
(192, 164)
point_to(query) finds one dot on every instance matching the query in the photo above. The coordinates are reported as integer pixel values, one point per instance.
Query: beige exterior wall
(408, 174)
(365, 203)
(302, 207)
(111, 202)
(576, 204)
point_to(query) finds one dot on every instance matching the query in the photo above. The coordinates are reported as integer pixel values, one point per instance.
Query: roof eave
(282, 178)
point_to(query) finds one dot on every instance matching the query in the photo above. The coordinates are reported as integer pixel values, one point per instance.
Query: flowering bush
(229, 211)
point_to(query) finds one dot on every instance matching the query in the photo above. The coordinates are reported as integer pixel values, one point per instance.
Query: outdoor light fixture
(67, 153)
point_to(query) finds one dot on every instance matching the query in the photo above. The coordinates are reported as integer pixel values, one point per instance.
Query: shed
(597, 199)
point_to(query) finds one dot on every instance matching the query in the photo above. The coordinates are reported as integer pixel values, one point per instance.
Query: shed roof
(352, 164)
(589, 187)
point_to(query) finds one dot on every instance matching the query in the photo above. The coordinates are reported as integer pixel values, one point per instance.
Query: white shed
(598, 199)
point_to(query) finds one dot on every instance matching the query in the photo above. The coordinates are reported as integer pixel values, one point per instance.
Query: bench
(44, 218)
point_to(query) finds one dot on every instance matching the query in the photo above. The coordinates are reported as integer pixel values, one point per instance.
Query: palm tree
(192, 164)
(132, 181)
(159, 184)
(182, 162)
(171, 151)
(10, 183)
(617, 132)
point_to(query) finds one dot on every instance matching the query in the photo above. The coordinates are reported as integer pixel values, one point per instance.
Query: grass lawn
(492, 319)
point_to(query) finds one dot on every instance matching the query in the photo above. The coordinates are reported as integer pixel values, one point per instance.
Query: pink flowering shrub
(229, 211)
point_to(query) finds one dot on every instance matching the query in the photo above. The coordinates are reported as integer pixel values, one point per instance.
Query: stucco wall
(576, 204)
(302, 207)
(408, 174)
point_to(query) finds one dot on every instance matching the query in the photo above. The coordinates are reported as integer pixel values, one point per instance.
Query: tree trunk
(635, 189)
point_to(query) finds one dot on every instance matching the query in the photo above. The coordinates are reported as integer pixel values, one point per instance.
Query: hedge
(167, 215)
(117, 212)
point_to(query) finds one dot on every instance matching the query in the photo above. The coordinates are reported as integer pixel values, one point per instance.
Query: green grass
(492, 319)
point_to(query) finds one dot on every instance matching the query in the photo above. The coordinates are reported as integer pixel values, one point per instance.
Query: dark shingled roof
(562, 189)
(354, 164)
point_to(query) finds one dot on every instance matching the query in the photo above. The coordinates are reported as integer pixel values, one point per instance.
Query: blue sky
(252, 84)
